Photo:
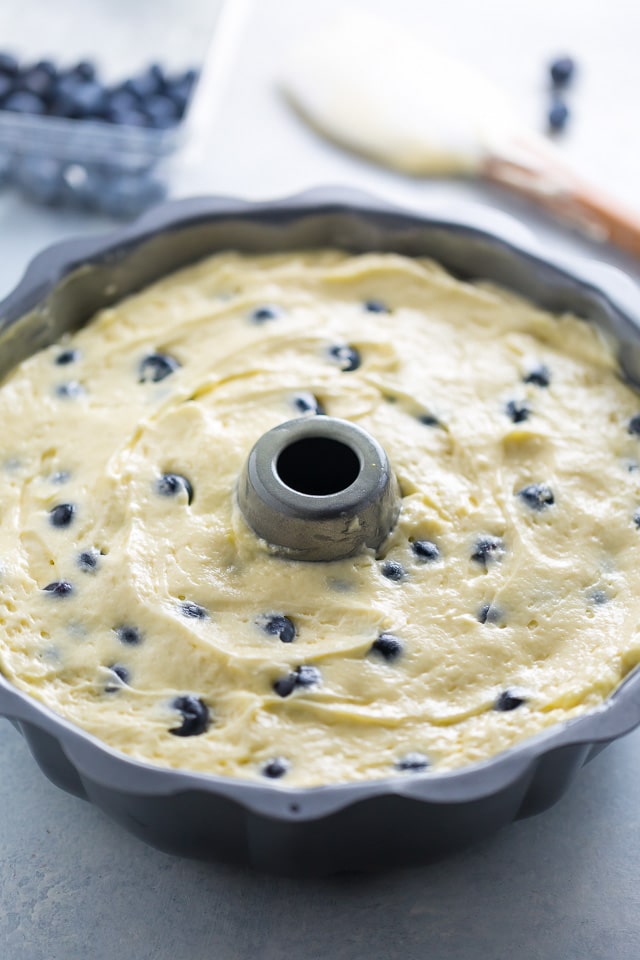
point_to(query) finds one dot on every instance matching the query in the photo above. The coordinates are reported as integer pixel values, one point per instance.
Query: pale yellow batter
(159, 617)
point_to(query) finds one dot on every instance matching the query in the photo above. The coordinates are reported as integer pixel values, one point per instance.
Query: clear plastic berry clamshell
(98, 163)
(351, 826)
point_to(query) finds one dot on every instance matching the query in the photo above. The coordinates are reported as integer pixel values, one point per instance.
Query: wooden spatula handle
(536, 172)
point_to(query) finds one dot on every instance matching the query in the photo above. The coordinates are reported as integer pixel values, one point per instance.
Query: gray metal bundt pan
(368, 825)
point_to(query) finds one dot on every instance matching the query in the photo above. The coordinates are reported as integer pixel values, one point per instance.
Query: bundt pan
(364, 825)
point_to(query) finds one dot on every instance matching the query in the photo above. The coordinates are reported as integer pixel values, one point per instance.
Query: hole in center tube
(318, 466)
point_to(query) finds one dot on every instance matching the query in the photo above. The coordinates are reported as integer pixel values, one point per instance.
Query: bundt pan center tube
(350, 826)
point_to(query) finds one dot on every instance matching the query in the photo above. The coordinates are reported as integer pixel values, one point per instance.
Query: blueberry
(129, 635)
(195, 716)
(8, 64)
(425, 550)
(59, 588)
(539, 376)
(489, 614)
(348, 357)
(126, 117)
(517, 410)
(24, 102)
(67, 356)
(277, 625)
(70, 390)
(509, 700)
(308, 403)
(85, 70)
(6, 86)
(538, 496)
(171, 484)
(393, 570)
(388, 646)
(412, 762)
(128, 194)
(636, 519)
(37, 80)
(557, 116)
(275, 768)
(265, 313)
(40, 178)
(599, 597)
(562, 70)
(62, 515)
(120, 101)
(193, 611)
(487, 549)
(303, 676)
(89, 100)
(144, 86)
(88, 560)
(161, 111)
(156, 367)
(121, 674)
(634, 425)
(376, 306)
(428, 420)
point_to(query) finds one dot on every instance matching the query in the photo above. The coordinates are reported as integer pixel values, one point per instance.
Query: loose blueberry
(489, 614)
(24, 102)
(387, 646)
(428, 420)
(129, 635)
(308, 403)
(88, 560)
(487, 550)
(67, 356)
(413, 762)
(634, 425)
(538, 496)
(393, 570)
(303, 676)
(636, 519)
(121, 674)
(193, 611)
(195, 716)
(70, 390)
(558, 116)
(156, 367)
(265, 313)
(171, 484)
(62, 515)
(59, 588)
(376, 306)
(509, 700)
(277, 625)
(348, 357)
(539, 376)
(517, 410)
(562, 71)
(425, 550)
(275, 768)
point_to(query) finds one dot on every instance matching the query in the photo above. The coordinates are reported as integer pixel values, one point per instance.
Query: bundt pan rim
(348, 826)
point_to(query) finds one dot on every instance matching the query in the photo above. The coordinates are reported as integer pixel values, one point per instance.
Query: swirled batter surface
(136, 602)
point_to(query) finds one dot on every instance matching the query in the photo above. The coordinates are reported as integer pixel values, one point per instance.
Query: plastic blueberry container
(352, 826)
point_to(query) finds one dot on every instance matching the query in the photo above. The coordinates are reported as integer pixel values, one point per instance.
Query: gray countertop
(560, 886)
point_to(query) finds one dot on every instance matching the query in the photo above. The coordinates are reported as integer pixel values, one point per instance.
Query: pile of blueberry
(561, 72)
(153, 100)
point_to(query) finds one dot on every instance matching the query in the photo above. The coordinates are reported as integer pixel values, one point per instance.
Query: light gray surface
(562, 886)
